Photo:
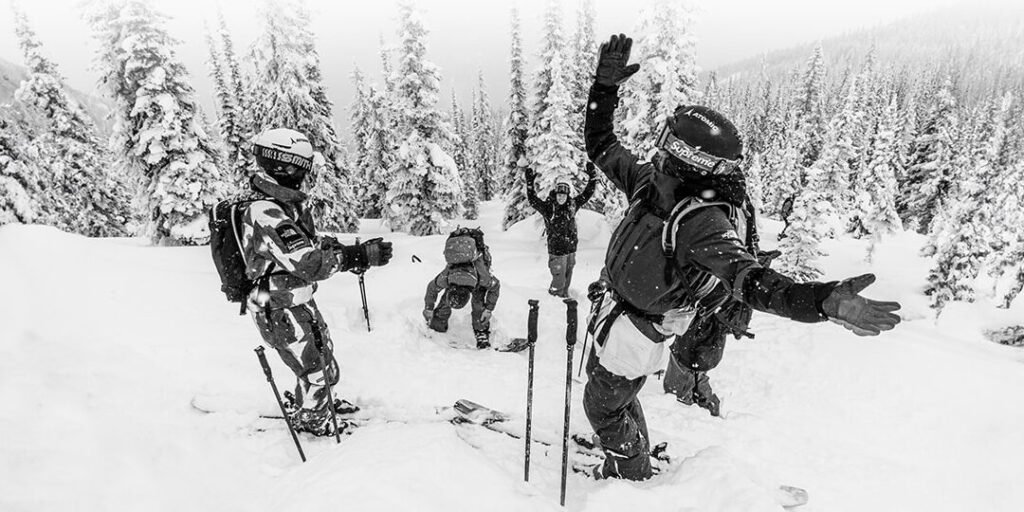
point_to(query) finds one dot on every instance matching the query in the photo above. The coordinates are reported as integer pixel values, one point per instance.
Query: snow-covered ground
(104, 343)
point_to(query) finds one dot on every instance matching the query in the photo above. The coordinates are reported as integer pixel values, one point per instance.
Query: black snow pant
(443, 311)
(694, 353)
(611, 404)
(294, 332)
(701, 347)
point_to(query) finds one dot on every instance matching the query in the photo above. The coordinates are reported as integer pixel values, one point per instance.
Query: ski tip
(790, 497)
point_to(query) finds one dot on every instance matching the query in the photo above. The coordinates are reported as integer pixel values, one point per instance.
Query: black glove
(865, 317)
(612, 59)
(378, 252)
(767, 257)
(590, 169)
(371, 253)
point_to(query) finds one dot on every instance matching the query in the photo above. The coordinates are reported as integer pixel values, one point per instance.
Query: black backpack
(225, 221)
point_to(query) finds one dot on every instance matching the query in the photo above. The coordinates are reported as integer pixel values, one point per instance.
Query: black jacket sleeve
(708, 241)
(587, 193)
(604, 149)
(541, 206)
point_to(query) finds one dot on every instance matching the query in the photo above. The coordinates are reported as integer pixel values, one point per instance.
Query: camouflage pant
(443, 311)
(295, 333)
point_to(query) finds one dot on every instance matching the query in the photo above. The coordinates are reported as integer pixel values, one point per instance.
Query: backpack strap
(670, 229)
(263, 281)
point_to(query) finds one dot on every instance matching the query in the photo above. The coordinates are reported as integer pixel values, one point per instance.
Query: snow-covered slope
(104, 343)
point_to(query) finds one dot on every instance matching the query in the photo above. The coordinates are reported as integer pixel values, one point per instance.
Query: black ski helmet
(286, 155)
(699, 140)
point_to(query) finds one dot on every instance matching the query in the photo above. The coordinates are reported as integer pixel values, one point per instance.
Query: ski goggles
(706, 163)
(277, 158)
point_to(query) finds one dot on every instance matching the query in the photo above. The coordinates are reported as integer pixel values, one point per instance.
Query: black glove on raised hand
(612, 59)
(865, 317)
(590, 169)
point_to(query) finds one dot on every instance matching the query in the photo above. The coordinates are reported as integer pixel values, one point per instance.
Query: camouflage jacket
(283, 255)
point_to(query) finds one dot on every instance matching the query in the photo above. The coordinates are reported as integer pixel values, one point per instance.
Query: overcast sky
(466, 36)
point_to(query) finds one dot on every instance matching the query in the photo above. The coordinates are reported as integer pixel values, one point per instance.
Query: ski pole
(270, 379)
(570, 342)
(318, 339)
(362, 294)
(531, 340)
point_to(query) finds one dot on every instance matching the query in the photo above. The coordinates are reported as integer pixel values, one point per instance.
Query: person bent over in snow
(559, 213)
(679, 253)
(285, 258)
(467, 278)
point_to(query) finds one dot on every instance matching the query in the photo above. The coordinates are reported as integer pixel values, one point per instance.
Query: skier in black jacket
(559, 213)
(679, 253)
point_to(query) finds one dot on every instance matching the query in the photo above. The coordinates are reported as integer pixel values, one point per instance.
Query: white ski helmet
(286, 155)
(563, 187)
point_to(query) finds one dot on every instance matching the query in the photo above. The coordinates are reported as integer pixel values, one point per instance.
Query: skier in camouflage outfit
(483, 298)
(679, 254)
(559, 213)
(285, 258)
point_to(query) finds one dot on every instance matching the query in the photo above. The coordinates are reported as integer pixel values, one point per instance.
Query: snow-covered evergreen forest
(901, 143)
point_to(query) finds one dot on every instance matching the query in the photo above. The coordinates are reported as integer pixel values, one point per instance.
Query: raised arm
(542, 207)
(622, 167)
(588, 191)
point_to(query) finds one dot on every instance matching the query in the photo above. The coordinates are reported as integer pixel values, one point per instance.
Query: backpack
(461, 251)
(225, 220)
(742, 218)
(462, 233)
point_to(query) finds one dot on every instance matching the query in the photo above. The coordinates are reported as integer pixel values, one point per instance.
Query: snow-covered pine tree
(875, 201)
(227, 124)
(667, 78)
(484, 143)
(514, 154)
(18, 183)
(234, 119)
(158, 129)
(80, 195)
(290, 94)
(464, 154)
(711, 97)
(810, 107)
(963, 234)
(801, 245)
(583, 62)
(928, 174)
(840, 151)
(552, 151)
(425, 189)
(755, 181)
(1007, 204)
(784, 172)
(364, 168)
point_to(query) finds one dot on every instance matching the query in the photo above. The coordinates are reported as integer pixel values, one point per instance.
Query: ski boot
(483, 339)
(704, 397)
(317, 422)
(341, 406)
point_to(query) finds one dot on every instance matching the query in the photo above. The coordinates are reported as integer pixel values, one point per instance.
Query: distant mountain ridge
(11, 76)
(980, 43)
